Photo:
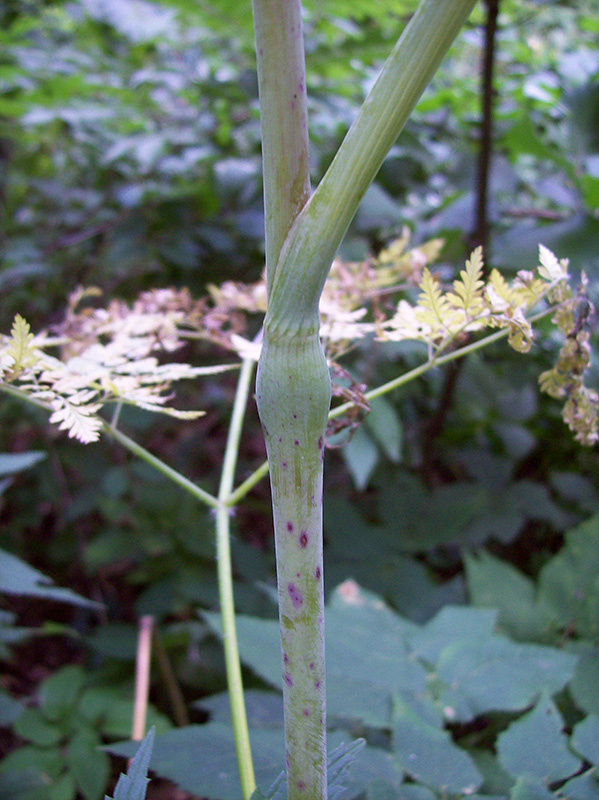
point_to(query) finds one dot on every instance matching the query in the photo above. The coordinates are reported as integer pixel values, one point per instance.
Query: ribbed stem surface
(293, 395)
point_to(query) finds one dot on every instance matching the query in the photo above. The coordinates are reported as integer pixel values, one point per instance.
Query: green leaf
(25, 784)
(214, 773)
(10, 463)
(429, 755)
(9, 707)
(384, 424)
(64, 788)
(60, 693)
(33, 726)
(452, 624)
(17, 577)
(367, 656)
(584, 686)
(499, 675)
(568, 583)
(132, 786)
(361, 456)
(48, 763)
(582, 787)
(88, 764)
(585, 739)
(525, 789)
(535, 748)
(496, 583)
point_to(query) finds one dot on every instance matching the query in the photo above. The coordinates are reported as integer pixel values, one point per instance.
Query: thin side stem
(262, 471)
(172, 474)
(142, 677)
(225, 584)
(173, 689)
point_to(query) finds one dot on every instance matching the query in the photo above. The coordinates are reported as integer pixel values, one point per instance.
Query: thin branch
(142, 677)
(225, 584)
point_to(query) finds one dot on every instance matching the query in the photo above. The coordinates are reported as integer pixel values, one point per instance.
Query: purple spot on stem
(320, 443)
(301, 786)
(288, 679)
(317, 684)
(290, 526)
(297, 598)
(311, 665)
(285, 658)
(306, 712)
(296, 443)
(303, 539)
(317, 573)
(280, 439)
(295, 416)
(284, 464)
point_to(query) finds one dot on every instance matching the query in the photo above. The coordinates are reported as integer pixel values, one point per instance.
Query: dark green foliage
(129, 157)
(63, 734)
(405, 686)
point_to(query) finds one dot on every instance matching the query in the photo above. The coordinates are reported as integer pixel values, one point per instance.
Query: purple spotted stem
(303, 233)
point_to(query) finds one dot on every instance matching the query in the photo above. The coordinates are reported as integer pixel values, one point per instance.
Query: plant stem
(319, 229)
(225, 584)
(293, 396)
(284, 117)
(172, 474)
(142, 676)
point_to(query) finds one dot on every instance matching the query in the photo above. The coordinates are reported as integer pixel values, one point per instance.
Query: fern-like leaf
(550, 268)
(468, 288)
(20, 350)
(80, 420)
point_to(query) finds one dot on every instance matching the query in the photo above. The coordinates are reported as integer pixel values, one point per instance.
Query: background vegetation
(130, 158)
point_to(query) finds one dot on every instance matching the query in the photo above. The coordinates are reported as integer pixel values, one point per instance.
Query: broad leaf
(535, 747)
(429, 755)
(17, 577)
(499, 675)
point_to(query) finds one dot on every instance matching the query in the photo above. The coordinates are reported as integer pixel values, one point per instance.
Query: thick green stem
(284, 116)
(293, 395)
(293, 386)
(309, 249)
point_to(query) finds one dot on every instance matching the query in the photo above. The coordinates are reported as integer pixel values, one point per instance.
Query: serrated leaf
(550, 268)
(468, 289)
(535, 747)
(429, 755)
(499, 675)
(568, 583)
(79, 421)
(19, 347)
(132, 786)
(497, 584)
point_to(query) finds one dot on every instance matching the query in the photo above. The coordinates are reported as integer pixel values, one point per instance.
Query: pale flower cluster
(114, 355)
